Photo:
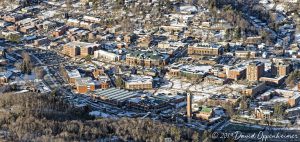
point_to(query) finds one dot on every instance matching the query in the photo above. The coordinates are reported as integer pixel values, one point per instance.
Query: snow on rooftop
(297, 37)
(73, 73)
(202, 69)
(188, 8)
(139, 78)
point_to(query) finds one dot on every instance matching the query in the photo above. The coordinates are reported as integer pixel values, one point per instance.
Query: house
(14, 17)
(5, 76)
(59, 31)
(73, 22)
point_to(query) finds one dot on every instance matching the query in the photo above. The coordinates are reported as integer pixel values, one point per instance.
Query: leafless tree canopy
(36, 117)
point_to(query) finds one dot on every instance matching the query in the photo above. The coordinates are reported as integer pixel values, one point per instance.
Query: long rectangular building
(113, 96)
(205, 49)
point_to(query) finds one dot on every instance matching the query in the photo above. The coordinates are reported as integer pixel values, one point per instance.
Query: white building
(101, 54)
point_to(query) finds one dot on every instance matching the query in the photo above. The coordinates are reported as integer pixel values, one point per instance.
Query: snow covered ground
(181, 85)
(99, 114)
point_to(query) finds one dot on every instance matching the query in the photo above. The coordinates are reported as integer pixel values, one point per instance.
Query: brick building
(205, 49)
(205, 113)
(84, 85)
(294, 100)
(147, 59)
(236, 73)
(135, 82)
(254, 89)
(262, 114)
(59, 31)
(280, 69)
(81, 49)
(72, 74)
(255, 70)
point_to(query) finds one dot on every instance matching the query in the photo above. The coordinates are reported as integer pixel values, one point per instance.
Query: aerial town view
(150, 70)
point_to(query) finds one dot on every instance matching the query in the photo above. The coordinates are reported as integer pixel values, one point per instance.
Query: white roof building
(106, 55)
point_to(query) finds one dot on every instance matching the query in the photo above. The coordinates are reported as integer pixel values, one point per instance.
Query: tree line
(36, 117)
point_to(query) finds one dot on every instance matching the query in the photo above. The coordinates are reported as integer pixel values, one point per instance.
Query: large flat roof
(116, 94)
(81, 44)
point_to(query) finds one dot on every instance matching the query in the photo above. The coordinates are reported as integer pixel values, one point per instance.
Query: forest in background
(36, 117)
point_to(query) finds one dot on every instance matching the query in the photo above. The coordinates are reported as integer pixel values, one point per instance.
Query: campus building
(81, 49)
(255, 70)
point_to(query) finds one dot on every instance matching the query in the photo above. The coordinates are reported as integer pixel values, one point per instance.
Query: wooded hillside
(38, 117)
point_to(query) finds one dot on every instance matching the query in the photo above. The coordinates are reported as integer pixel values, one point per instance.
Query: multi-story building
(280, 69)
(105, 55)
(147, 59)
(245, 54)
(205, 49)
(59, 31)
(189, 71)
(205, 113)
(254, 89)
(99, 71)
(135, 82)
(236, 73)
(294, 100)
(255, 70)
(81, 49)
(72, 74)
(262, 113)
(84, 85)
